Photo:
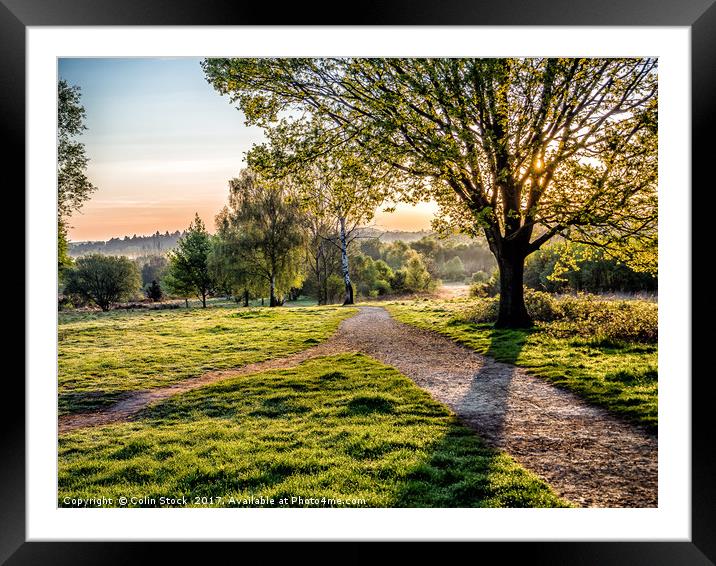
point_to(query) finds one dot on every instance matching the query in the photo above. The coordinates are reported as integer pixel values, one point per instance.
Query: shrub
(382, 287)
(482, 310)
(478, 290)
(417, 277)
(397, 281)
(103, 279)
(154, 291)
(541, 306)
(608, 321)
(480, 277)
(586, 316)
(625, 321)
(335, 289)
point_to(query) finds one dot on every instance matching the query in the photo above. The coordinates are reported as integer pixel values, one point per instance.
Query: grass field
(620, 377)
(344, 427)
(102, 355)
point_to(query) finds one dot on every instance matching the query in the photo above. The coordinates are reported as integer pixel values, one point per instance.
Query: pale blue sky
(162, 144)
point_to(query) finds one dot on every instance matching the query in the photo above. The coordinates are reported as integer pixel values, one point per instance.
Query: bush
(613, 321)
(154, 291)
(587, 316)
(542, 307)
(382, 287)
(417, 277)
(336, 289)
(482, 310)
(397, 281)
(103, 279)
(480, 277)
(489, 288)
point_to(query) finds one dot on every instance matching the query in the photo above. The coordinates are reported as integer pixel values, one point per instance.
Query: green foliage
(580, 162)
(153, 269)
(64, 261)
(188, 272)
(371, 277)
(73, 186)
(490, 288)
(342, 427)
(97, 362)
(454, 270)
(335, 289)
(417, 278)
(154, 291)
(612, 322)
(587, 316)
(566, 266)
(479, 277)
(396, 254)
(261, 236)
(103, 279)
(618, 375)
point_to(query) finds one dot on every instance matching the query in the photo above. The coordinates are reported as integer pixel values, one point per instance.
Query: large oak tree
(520, 149)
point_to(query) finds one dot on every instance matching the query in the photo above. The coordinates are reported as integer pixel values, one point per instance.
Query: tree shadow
(505, 345)
(462, 470)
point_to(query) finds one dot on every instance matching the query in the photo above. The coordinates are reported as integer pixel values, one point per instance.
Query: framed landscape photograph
(401, 280)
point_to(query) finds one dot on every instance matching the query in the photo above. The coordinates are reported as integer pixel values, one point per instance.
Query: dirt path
(588, 456)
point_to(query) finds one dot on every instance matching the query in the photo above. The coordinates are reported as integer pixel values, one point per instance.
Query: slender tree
(188, 271)
(520, 149)
(338, 189)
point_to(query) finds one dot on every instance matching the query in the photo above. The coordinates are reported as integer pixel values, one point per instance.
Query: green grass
(623, 378)
(102, 355)
(343, 427)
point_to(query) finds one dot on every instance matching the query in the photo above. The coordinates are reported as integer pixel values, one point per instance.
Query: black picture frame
(699, 15)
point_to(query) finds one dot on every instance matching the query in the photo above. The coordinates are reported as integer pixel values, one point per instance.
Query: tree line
(521, 151)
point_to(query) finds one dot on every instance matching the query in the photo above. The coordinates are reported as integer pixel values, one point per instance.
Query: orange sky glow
(162, 146)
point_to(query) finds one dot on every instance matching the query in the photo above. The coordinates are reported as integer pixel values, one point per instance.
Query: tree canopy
(73, 186)
(261, 229)
(520, 149)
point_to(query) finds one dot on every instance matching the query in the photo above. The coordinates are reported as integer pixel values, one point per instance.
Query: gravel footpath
(587, 455)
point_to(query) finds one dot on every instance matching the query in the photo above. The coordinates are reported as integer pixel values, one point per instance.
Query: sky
(162, 145)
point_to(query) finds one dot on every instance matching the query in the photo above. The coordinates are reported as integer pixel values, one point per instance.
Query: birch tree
(519, 149)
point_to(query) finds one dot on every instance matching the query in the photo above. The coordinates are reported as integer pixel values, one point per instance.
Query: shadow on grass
(506, 345)
(462, 471)
(344, 426)
(82, 401)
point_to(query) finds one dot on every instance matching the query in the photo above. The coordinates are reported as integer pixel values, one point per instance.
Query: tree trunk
(326, 298)
(246, 297)
(203, 300)
(513, 312)
(320, 296)
(186, 302)
(344, 264)
(272, 292)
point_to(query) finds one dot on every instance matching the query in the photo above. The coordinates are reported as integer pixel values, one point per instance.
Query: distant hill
(393, 235)
(158, 243)
(134, 246)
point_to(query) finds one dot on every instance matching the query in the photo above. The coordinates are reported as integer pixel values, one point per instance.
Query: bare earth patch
(588, 456)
